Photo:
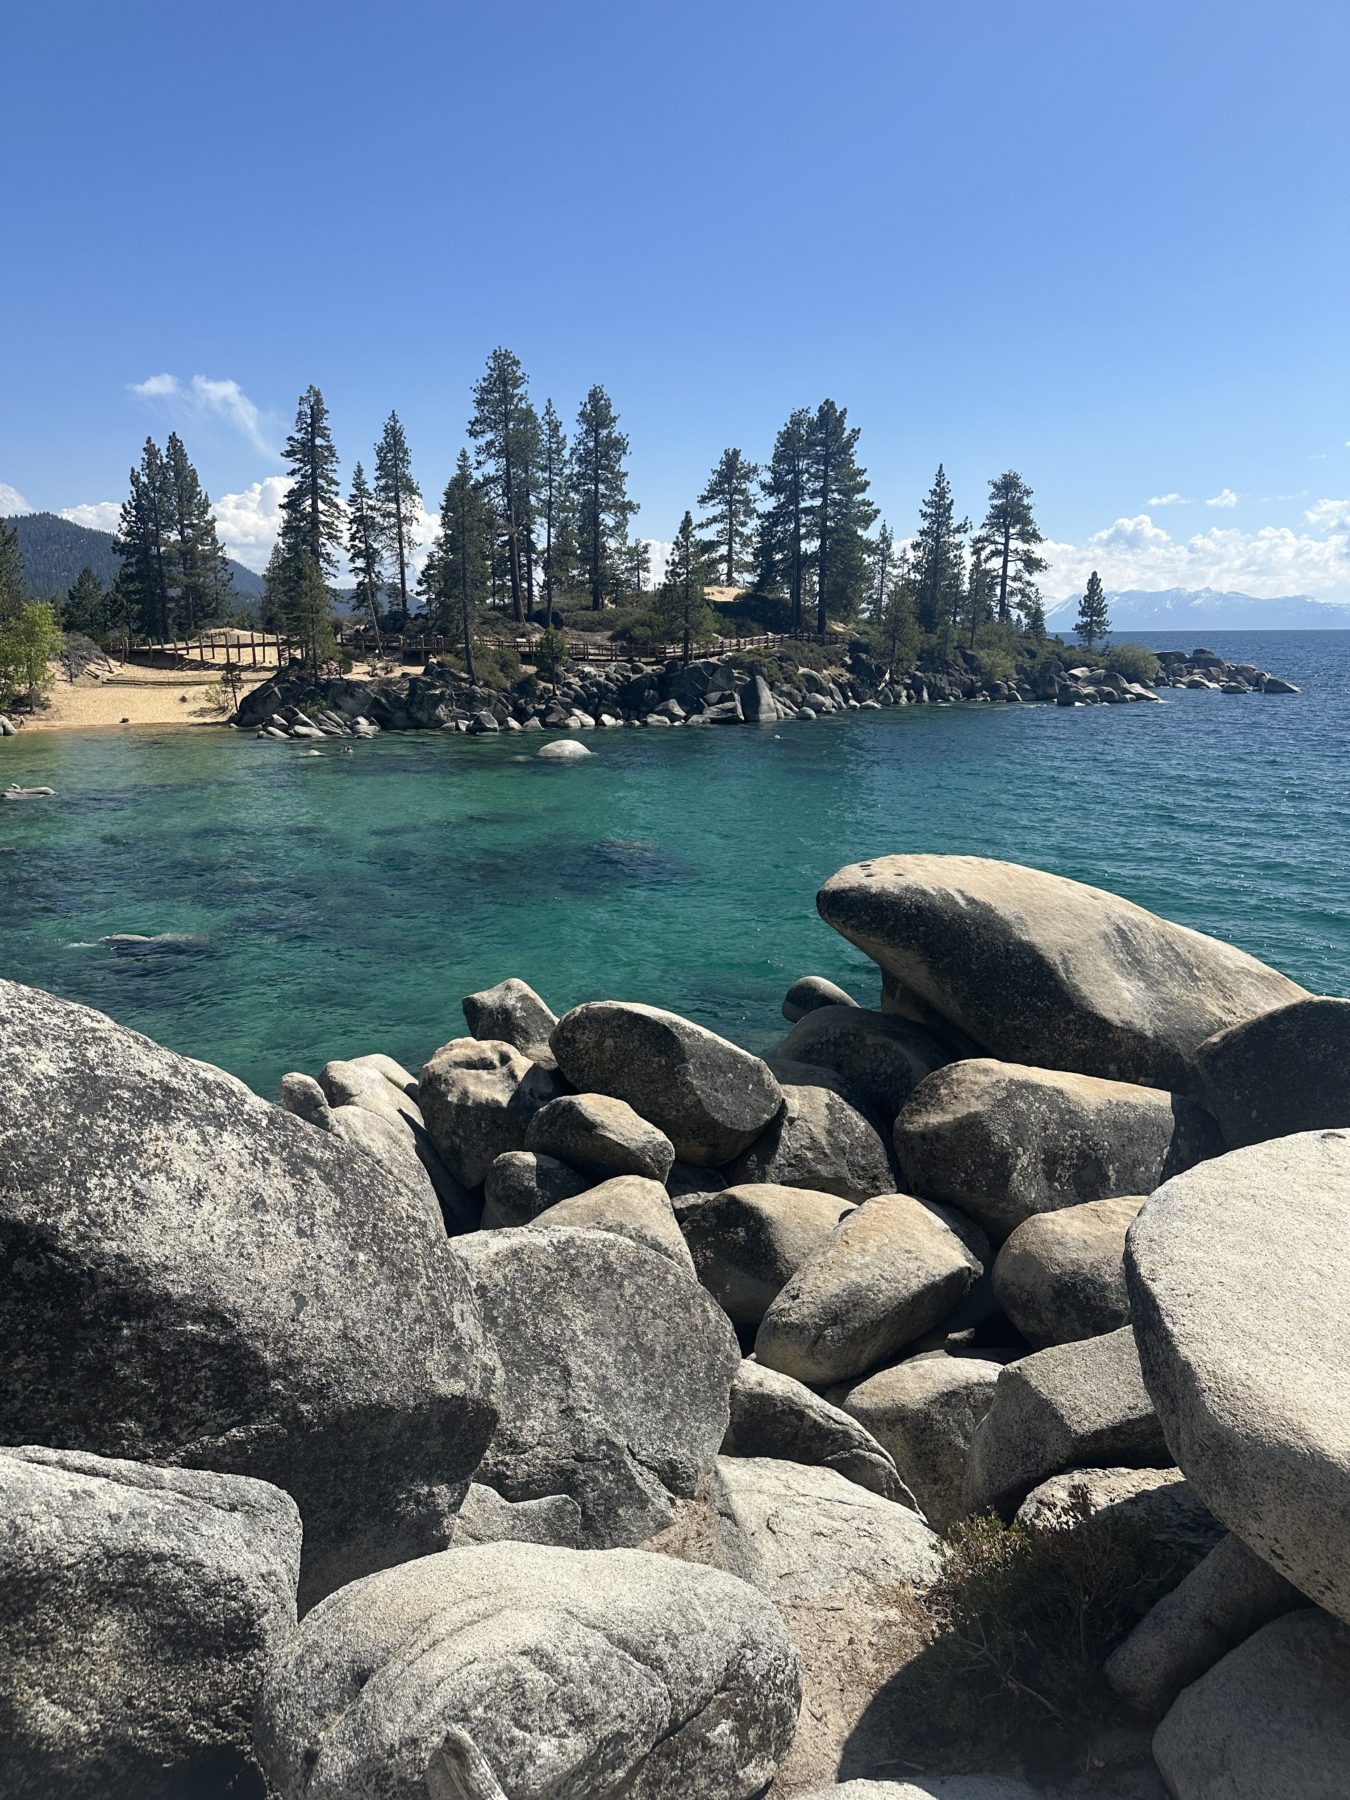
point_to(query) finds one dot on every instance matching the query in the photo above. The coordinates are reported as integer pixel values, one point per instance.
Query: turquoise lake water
(339, 904)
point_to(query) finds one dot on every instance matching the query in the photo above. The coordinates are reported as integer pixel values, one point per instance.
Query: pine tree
(732, 514)
(12, 588)
(500, 428)
(559, 552)
(601, 481)
(884, 569)
(306, 609)
(782, 527)
(841, 514)
(311, 512)
(637, 565)
(1011, 531)
(142, 543)
(898, 621)
(1092, 622)
(978, 602)
(397, 504)
(456, 576)
(1032, 608)
(271, 613)
(683, 606)
(365, 556)
(938, 560)
(198, 573)
(86, 608)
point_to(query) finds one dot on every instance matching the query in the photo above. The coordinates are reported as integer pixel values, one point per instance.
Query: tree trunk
(398, 536)
(1003, 573)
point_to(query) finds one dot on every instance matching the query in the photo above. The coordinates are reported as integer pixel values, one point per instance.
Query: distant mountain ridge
(1199, 609)
(53, 550)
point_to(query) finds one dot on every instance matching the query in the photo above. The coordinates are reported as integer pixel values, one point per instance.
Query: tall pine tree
(500, 427)
(783, 522)
(197, 571)
(311, 523)
(939, 562)
(142, 541)
(397, 505)
(731, 516)
(12, 590)
(1011, 532)
(456, 576)
(840, 513)
(683, 605)
(306, 609)
(365, 554)
(86, 609)
(1093, 623)
(601, 483)
(558, 553)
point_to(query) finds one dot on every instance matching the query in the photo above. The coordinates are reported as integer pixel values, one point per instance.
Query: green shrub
(1132, 661)
(494, 668)
(1022, 1622)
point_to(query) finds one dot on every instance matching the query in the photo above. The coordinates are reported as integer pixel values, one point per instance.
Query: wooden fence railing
(268, 649)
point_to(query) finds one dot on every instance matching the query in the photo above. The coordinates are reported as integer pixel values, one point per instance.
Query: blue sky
(1106, 246)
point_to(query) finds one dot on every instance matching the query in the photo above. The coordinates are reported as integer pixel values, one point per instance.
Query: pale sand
(136, 696)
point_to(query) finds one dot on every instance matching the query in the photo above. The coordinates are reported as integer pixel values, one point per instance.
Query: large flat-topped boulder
(1240, 1292)
(197, 1277)
(1005, 1143)
(1039, 969)
(521, 1670)
(138, 1607)
(710, 1098)
(616, 1371)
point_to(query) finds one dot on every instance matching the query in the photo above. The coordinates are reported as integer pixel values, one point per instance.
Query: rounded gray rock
(809, 992)
(891, 1270)
(138, 1607)
(880, 1060)
(925, 1412)
(1061, 1276)
(199, 1278)
(1239, 1297)
(819, 1140)
(1284, 1072)
(710, 1098)
(512, 1013)
(633, 1207)
(521, 1184)
(616, 1370)
(1034, 967)
(773, 1415)
(478, 1099)
(533, 1671)
(747, 1242)
(1269, 1722)
(1005, 1142)
(601, 1137)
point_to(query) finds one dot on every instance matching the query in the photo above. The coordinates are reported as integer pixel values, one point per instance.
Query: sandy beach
(125, 694)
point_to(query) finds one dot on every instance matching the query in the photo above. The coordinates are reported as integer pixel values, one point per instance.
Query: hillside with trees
(54, 550)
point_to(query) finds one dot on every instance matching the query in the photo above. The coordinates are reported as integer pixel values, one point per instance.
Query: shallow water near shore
(317, 906)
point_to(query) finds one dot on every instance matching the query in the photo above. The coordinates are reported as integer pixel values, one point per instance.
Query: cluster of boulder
(1086, 686)
(732, 688)
(580, 1415)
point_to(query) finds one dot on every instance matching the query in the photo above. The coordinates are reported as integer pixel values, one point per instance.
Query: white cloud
(660, 557)
(157, 387)
(249, 522)
(1170, 500)
(12, 501)
(98, 515)
(205, 397)
(1225, 497)
(1273, 560)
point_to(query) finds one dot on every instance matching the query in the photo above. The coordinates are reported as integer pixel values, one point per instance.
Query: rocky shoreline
(731, 689)
(605, 1411)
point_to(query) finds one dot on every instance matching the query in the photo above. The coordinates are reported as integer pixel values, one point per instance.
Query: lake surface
(337, 904)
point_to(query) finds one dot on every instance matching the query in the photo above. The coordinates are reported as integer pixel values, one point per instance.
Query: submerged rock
(184, 1289)
(562, 750)
(1041, 970)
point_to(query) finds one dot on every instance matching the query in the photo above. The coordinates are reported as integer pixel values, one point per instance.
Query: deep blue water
(338, 904)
